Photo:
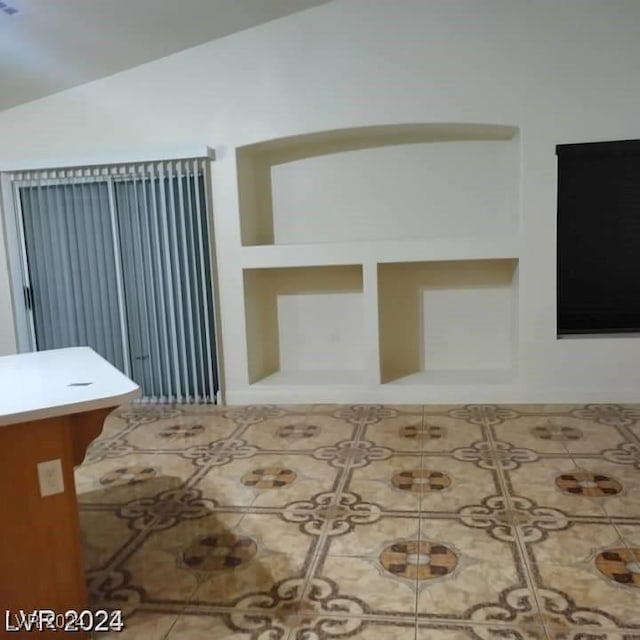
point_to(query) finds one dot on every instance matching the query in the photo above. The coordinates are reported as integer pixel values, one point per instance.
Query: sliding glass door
(168, 289)
(121, 263)
(72, 268)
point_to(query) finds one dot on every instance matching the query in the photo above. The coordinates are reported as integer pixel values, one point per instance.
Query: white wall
(433, 189)
(561, 71)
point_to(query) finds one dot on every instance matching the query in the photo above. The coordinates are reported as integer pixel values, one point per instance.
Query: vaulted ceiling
(47, 46)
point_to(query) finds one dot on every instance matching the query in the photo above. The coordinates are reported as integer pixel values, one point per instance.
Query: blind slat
(118, 258)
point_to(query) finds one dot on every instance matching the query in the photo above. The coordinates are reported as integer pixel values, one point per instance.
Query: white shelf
(395, 182)
(311, 378)
(423, 391)
(451, 320)
(458, 377)
(380, 264)
(505, 246)
(307, 320)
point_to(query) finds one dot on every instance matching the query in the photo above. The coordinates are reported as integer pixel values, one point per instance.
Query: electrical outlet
(50, 477)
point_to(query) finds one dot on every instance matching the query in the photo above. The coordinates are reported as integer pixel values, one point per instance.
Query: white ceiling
(51, 45)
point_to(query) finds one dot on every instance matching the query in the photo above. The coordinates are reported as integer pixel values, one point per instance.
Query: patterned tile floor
(394, 522)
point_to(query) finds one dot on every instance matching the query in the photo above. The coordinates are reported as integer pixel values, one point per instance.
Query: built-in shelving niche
(304, 325)
(428, 214)
(381, 183)
(450, 322)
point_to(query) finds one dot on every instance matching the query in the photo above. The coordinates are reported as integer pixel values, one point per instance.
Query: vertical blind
(117, 258)
(72, 268)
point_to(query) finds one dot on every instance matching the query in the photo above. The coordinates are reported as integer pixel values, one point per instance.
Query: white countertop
(44, 384)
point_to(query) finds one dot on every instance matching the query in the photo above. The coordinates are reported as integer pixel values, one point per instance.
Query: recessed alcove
(391, 182)
(380, 260)
(449, 322)
(304, 325)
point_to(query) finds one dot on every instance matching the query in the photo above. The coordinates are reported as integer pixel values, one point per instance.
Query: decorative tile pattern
(512, 518)
(560, 433)
(330, 514)
(620, 565)
(418, 559)
(179, 431)
(421, 480)
(269, 478)
(478, 522)
(594, 485)
(422, 432)
(128, 475)
(495, 455)
(217, 552)
(298, 431)
(349, 453)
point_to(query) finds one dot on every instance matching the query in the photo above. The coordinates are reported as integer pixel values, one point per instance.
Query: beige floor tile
(600, 600)
(596, 438)
(222, 484)
(135, 412)
(325, 408)
(428, 633)
(243, 415)
(274, 535)
(625, 505)
(450, 570)
(289, 626)
(194, 627)
(371, 539)
(408, 408)
(298, 432)
(575, 545)
(363, 415)
(248, 532)
(627, 474)
(433, 483)
(484, 568)
(252, 558)
(322, 408)
(455, 596)
(268, 480)
(106, 447)
(365, 579)
(113, 425)
(608, 413)
(248, 587)
(574, 632)
(103, 533)
(443, 433)
(630, 534)
(141, 626)
(159, 573)
(635, 429)
(469, 484)
(557, 409)
(387, 483)
(120, 480)
(544, 433)
(175, 538)
(618, 486)
(172, 562)
(484, 632)
(181, 432)
(550, 482)
(402, 432)
(356, 628)
(478, 414)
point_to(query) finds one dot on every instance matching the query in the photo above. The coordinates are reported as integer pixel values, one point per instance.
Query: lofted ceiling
(47, 46)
